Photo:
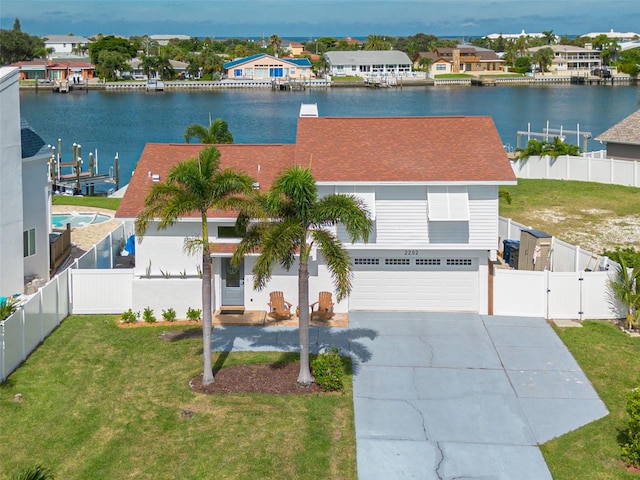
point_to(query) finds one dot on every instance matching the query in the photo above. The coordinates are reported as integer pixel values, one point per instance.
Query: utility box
(535, 250)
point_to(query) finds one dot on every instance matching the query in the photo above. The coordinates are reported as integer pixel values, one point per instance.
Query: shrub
(7, 307)
(148, 315)
(194, 313)
(328, 370)
(631, 438)
(169, 315)
(33, 473)
(130, 316)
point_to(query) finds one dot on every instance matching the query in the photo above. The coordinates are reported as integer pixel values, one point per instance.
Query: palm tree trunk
(207, 376)
(304, 377)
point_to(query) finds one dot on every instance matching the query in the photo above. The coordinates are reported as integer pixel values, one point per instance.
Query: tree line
(205, 57)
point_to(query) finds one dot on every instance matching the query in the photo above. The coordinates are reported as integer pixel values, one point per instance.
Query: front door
(232, 284)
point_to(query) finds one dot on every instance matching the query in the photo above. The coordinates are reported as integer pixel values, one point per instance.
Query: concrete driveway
(451, 396)
(446, 395)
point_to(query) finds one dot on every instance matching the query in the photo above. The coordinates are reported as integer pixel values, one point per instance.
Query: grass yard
(452, 75)
(610, 359)
(97, 202)
(592, 215)
(101, 402)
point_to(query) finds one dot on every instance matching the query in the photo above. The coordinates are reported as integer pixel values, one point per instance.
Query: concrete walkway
(445, 396)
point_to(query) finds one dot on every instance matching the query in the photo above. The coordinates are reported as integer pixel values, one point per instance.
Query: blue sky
(313, 18)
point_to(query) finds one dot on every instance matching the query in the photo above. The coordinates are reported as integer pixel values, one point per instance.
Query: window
(396, 261)
(448, 203)
(459, 261)
(441, 67)
(427, 261)
(228, 232)
(29, 242)
(366, 261)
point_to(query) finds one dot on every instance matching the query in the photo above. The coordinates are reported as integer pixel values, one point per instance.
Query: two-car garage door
(441, 284)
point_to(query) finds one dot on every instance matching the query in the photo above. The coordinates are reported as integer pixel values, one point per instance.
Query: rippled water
(124, 121)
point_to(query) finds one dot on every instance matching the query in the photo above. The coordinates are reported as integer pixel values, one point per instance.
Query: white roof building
(624, 36)
(514, 36)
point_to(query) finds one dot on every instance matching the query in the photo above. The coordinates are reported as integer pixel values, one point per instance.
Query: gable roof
(262, 162)
(363, 57)
(627, 131)
(403, 150)
(299, 62)
(32, 143)
(55, 39)
(349, 150)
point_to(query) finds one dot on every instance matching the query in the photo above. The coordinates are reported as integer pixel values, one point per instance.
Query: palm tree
(217, 132)
(275, 42)
(549, 37)
(196, 185)
(376, 42)
(289, 221)
(626, 288)
(544, 58)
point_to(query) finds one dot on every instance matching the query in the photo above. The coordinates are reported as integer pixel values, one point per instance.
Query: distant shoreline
(400, 82)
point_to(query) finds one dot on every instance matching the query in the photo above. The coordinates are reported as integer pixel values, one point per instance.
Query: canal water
(124, 121)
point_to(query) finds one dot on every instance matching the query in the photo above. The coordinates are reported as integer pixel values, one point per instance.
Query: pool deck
(83, 238)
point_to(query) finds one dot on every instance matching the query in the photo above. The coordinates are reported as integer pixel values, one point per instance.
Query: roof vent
(155, 177)
(309, 110)
(256, 185)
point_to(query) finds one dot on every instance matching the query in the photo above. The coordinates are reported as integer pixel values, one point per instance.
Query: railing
(60, 249)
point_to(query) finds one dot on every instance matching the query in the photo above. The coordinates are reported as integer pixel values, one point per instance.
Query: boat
(155, 85)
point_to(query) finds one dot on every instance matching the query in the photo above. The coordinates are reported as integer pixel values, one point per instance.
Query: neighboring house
(623, 139)
(568, 58)
(163, 40)
(438, 64)
(352, 42)
(293, 49)
(382, 63)
(24, 194)
(54, 70)
(66, 45)
(267, 67)
(469, 59)
(429, 183)
(136, 71)
(514, 36)
(620, 36)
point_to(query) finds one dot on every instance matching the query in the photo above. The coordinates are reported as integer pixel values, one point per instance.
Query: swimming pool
(60, 220)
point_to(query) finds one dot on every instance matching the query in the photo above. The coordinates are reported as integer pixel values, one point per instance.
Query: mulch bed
(272, 379)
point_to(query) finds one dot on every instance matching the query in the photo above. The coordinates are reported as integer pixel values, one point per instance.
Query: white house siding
(11, 254)
(36, 202)
(483, 212)
(164, 249)
(401, 216)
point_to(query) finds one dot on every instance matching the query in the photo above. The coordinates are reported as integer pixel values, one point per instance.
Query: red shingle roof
(403, 149)
(351, 150)
(262, 162)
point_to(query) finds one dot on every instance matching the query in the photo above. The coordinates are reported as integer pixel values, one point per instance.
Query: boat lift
(78, 180)
(548, 134)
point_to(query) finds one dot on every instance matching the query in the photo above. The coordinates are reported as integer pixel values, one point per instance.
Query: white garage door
(432, 290)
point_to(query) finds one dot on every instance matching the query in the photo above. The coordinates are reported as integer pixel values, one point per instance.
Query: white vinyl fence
(555, 295)
(589, 167)
(23, 331)
(564, 256)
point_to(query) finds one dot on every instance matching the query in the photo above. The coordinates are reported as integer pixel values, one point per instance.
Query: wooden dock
(484, 81)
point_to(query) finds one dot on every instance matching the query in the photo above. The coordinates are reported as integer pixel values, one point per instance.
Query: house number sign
(412, 253)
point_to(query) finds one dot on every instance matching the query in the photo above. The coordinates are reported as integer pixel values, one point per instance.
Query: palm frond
(338, 261)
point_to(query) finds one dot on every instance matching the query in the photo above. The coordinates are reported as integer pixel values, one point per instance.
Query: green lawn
(101, 402)
(98, 202)
(452, 75)
(609, 358)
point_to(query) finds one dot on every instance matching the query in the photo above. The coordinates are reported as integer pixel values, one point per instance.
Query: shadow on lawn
(281, 339)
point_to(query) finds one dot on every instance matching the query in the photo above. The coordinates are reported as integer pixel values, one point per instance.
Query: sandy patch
(605, 232)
